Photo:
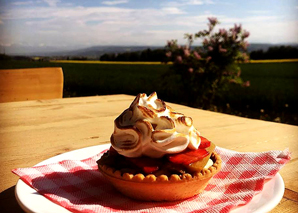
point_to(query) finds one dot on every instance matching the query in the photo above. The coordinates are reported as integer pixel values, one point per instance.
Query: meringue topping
(151, 128)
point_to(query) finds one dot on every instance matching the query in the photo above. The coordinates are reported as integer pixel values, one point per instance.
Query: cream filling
(150, 128)
(209, 164)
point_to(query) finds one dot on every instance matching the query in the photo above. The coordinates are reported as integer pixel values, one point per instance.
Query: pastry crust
(161, 188)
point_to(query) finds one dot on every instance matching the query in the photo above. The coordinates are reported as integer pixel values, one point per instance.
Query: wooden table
(33, 131)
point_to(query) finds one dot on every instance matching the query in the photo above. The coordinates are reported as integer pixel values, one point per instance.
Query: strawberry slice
(188, 156)
(181, 159)
(148, 165)
(150, 169)
(204, 143)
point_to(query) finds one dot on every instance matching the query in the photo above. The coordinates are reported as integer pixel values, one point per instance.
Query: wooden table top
(33, 131)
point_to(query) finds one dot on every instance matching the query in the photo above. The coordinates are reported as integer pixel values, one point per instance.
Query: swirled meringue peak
(151, 128)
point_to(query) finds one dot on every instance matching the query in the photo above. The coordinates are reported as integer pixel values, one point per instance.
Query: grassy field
(272, 95)
(84, 79)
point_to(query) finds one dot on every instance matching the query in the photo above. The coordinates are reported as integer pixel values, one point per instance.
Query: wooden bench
(31, 84)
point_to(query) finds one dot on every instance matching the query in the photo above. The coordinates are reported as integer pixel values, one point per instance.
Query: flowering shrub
(202, 71)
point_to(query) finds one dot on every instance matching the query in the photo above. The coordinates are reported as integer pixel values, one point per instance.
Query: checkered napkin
(78, 186)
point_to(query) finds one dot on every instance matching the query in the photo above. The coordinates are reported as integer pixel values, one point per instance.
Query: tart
(156, 154)
(149, 187)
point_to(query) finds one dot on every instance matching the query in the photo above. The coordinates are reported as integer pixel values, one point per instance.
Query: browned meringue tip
(161, 188)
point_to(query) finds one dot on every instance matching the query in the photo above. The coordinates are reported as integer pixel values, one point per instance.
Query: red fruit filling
(188, 156)
(148, 165)
(204, 143)
(178, 163)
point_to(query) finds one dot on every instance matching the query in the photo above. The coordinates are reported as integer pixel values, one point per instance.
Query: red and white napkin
(79, 187)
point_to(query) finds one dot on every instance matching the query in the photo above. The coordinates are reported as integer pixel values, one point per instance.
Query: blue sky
(71, 24)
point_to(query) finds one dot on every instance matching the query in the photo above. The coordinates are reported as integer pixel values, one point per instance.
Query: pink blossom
(239, 73)
(222, 32)
(246, 84)
(169, 54)
(213, 20)
(211, 26)
(245, 34)
(190, 70)
(197, 55)
(210, 48)
(232, 81)
(237, 28)
(222, 49)
(245, 56)
(234, 35)
(245, 45)
(208, 59)
(186, 52)
(179, 59)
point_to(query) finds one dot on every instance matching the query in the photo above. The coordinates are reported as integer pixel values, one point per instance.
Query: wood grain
(32, 131)
(31, 84)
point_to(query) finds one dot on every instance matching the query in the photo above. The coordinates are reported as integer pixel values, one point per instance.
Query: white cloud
(197, 2)
(258, 11)
(188, 2)
(22, 3)
(273, 32)
(172, 10)
(115, 2)
(64, 12)
(52, 3)
(86, 26)
(110, 25)
(194, 22)
(250, 19)
(194, 2)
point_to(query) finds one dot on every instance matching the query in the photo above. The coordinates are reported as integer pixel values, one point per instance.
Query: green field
(272, 95)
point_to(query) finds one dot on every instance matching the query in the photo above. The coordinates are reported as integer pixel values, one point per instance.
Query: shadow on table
(8, 201)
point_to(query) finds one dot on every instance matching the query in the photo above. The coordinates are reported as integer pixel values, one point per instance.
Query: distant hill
(97, 51)
(90, 52)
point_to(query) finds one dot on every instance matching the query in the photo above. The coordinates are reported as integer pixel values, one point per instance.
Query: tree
(202, 71)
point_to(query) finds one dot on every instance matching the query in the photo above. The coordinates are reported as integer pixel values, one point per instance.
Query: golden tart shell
(161, 188)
